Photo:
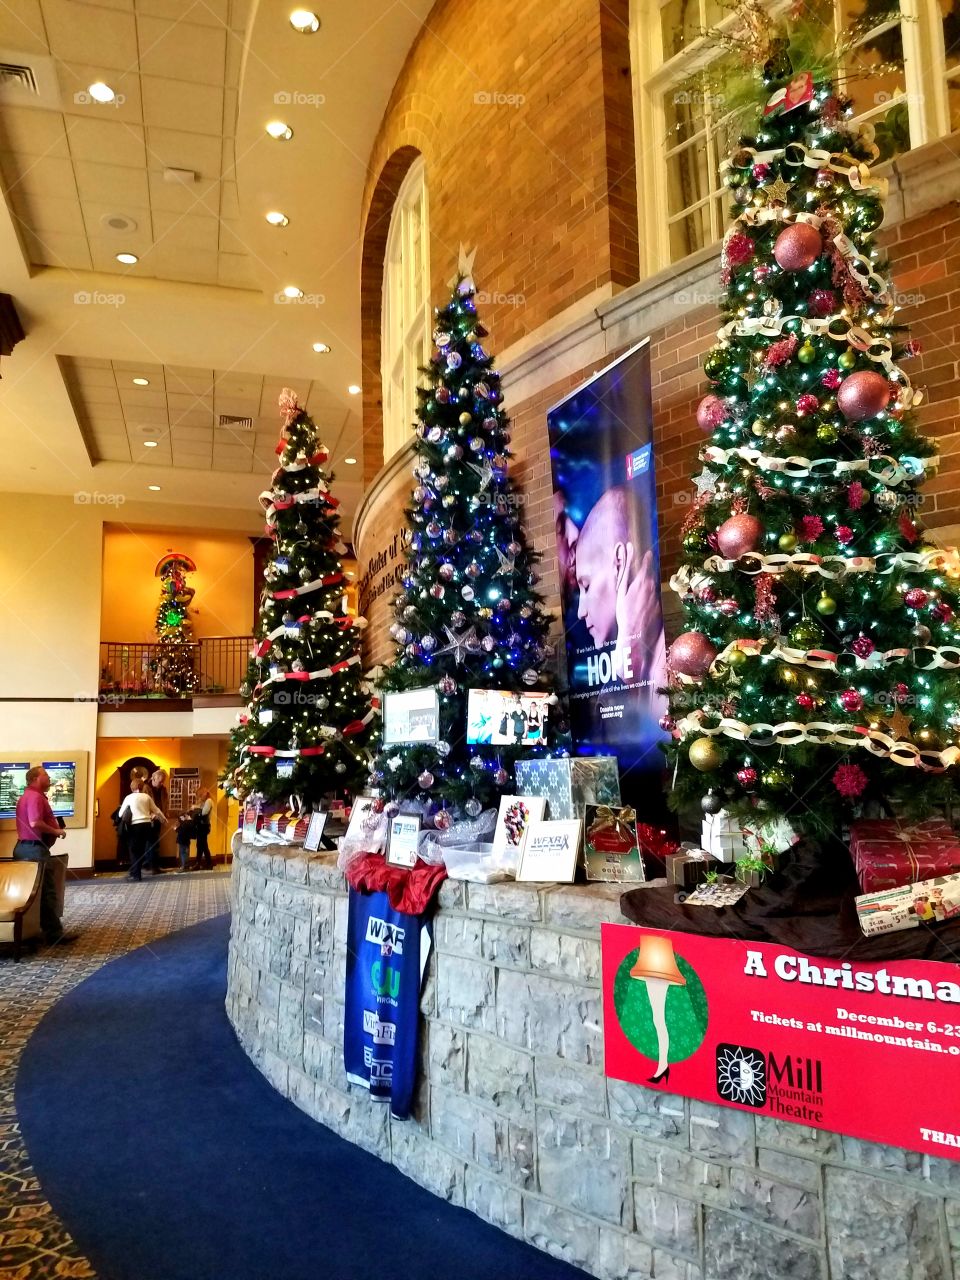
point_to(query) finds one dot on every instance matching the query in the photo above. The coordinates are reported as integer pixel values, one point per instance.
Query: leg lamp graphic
(657, 967)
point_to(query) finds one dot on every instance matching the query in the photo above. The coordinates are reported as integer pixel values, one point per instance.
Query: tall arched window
(405, 321)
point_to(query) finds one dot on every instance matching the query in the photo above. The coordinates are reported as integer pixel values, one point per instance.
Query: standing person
(185, 833)
(203, 823)
(156, 789)
(37, 831)
(143, 813)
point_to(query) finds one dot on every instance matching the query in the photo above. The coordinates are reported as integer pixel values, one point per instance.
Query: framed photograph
(403, 840)
(498, 718)
(311, 841)
(13, 782)
(412, 715)
(610, 845)
(517, 814)
(550, 851)
(251, 823)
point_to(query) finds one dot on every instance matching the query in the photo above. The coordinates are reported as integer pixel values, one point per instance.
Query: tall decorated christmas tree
(817, 671)
(467, 616)
(308, 720)
(175, 668)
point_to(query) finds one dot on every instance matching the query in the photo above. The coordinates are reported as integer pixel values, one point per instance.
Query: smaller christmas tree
(309, 716)
(468, 614)
(175, 662)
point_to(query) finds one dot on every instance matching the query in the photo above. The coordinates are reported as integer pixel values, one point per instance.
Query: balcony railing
(135, 670)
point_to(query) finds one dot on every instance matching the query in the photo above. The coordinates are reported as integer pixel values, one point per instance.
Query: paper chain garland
(797, 155)
(887, 470)
(832, 567)
(944, 657)
(792, 732)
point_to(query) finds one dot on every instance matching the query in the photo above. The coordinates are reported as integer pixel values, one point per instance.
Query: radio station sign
(869, 1050)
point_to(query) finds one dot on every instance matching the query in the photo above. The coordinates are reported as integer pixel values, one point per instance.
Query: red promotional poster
(868, 1050)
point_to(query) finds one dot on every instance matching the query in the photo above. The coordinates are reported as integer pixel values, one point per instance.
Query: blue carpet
(169, 1157)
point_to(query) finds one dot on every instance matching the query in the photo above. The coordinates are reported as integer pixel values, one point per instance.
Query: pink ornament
(691, 653)
(667, 723)
(739, 249)
(844, 534)
(901, 692)
(738, 535)
(863, 395)
(805, 701)
(831, 379)
(915, 598)
(851, 700)
(797, 246)
(863, 646)
(856, 495)
(728, 608)
(711, 411)
(761, 172)
(850, 780)
(762, 272)
(943, 612)
(822, 302)
(747, 777)
(807, 403)
(810, 528)
(708, 595)
(780, 352)
(426, 780)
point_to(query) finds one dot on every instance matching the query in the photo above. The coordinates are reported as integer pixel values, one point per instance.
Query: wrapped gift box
(910, 905)
(569, 784)
(688, 868)
(890, 855)
(723, 837)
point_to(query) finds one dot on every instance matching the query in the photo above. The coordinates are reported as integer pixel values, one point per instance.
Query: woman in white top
(204, 858)
(142, 813)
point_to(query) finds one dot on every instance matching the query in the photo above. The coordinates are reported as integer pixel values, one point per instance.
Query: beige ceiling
(201, 314)
(182, 412)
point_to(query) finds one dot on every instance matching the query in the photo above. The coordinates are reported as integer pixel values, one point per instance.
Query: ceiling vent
(230, 422)
(118, 222)
(19, 75)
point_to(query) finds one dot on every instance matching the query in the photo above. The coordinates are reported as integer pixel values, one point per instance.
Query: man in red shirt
(37, 829)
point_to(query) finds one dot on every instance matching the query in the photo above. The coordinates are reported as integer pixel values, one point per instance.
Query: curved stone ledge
(515, 1121)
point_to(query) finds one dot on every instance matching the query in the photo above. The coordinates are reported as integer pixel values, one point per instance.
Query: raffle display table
(515, 1120)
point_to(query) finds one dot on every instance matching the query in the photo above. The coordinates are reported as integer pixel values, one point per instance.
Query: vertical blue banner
(605, 509)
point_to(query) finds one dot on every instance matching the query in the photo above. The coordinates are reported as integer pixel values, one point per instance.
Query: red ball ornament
(797, 246)
(728, 608)
(711, 411)
(863, 646)
(738, 535)
(851, 700)
(747, 777)
(863, 395)
(805, 700)
(822, 302)
(691, 653)
(915, 598)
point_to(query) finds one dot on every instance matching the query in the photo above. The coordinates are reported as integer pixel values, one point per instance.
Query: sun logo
(741, 1075)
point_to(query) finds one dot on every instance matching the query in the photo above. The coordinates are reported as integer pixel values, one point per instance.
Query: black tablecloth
(808, 907)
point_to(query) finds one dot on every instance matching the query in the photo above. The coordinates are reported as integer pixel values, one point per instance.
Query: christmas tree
(816, 672)
(308, 718)
(468, 616)
(174, 666)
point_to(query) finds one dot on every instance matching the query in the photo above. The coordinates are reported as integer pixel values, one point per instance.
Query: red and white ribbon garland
(332, 579)
(318, 749)
(323, 674)
(322, 615)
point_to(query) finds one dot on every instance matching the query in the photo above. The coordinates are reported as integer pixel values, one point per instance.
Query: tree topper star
(459, 645)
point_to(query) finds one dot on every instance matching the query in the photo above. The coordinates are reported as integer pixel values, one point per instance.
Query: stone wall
(515, 1121)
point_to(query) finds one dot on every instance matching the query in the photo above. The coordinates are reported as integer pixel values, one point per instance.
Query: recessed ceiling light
(128, 259)
(353, 389)
(277, 219)
(291, 291)
(100, 92)
(350, 461)
(141, 382)
(149, 444)
(321, 348)
(154, 488)
(279, 130)
(304, 21)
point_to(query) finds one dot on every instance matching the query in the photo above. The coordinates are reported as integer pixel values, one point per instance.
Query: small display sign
(311, 841)
(550, 851)
(404, 840)
(411, 715)
(611, 848)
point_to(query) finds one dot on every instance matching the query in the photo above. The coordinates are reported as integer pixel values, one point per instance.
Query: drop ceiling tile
(233, 464)
(174, 231)
(21, 26)
(172, 148)
(145, 416)
(186, 402)
(182, 50)
(211, 13)
(232, 238)
(95, 138)
(75, 79)
(104, 250)
(195, 381)
(97, 398)
(235, 271)
(58, 249)
(231, 107)
(91, 377)
(186, 434)
(33, 132)
(47, 214)
(239, 14)
(181, 264)
(233, 383)
(37, 176)
(175, 104)
(112, 184)
(134, 399)
(146, 368)
(91, 34)
(95, 213)
(229, 200)
(201, 197)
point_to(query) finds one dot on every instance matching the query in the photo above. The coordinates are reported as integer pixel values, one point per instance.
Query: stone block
(507, 944)
(564, 1084)
(333, 1020)
(267, 1028)
(278, 865)
(735, 1249)
(583, 906)
(295, 900)
(268, 996)
(433, 1168)
(879, 1156)
(458, 935)
(499, 1075)
(682, 1169)
(318, 1055)
(261, 917)
(800, 1139)
(584, 1163)
(506, 901)
(666, 1266)
(322, 926)
(649, 1112)
(446, 1055)
(493, 1201)
(465, 992)
(333, 1107)
(302, 1091)
(721, 1131)
(569, 955)
(275, 1069)
(341, 910)
(775, 1202)
(878, 1230)
(549, 1016)
(623, 1257)
(464, 1128)
(325, 874)
(795, 1169)
(367, 1124)
(452, 895)
(667, 1219)
(302, 931)
(560, 1233)
(298, 868)
(943, 1174)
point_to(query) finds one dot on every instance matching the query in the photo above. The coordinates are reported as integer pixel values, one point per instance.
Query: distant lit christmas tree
(309, 716)
(818, 667)
(468, 615)
(174, 667)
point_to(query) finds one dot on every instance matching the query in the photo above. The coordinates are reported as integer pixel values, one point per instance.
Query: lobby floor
(110, 917)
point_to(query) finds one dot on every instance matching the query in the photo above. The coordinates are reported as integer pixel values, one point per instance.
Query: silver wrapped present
(570, 783)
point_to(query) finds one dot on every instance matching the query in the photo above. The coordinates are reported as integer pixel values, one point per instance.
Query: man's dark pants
(37, 851)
